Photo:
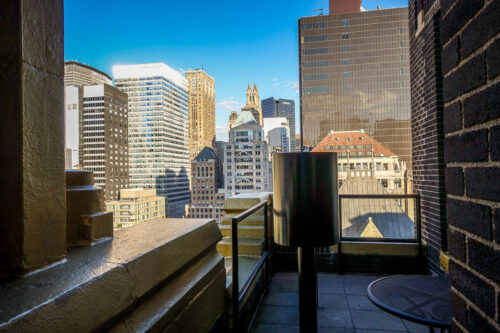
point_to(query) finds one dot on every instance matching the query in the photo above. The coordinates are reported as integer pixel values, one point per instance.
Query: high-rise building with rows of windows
(246, 157)
(201, 88)
(281, 107)
(76, 76)
(158, 131)
(354, 74)
(105, 138)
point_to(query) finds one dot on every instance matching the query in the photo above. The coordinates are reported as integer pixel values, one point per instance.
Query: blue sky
(238, 41)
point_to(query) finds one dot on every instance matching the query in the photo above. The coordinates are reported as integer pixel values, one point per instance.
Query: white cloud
(230, 104)
(287, 84)
(183, 71)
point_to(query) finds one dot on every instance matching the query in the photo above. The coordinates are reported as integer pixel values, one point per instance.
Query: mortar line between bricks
(449, 10)
(482, 164)
(460, 325)
(476, 127)
(475, 237)
(478, 13)
(465, 198)
(470, 269)
(474, 91)
(477, 309)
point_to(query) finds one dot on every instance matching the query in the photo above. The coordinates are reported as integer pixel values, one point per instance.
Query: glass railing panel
(381, 217)
(250, 245)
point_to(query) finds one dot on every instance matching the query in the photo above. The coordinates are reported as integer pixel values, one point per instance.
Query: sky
(237, 41)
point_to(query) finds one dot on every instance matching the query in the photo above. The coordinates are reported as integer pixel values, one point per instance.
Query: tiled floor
(343, 307)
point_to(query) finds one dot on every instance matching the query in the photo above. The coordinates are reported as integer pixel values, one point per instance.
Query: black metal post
(308, 314)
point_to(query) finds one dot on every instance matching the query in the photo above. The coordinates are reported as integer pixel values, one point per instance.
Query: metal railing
(238, 294)
(417, 221)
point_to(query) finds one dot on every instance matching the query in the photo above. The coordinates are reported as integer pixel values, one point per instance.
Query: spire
(255, 87)
(249, 87)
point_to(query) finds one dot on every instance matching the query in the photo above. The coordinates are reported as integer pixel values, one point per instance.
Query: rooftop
(351, 138)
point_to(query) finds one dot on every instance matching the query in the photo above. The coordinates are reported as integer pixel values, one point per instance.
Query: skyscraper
(77, 75)
(277, 134)
(354, 74)
(105, 138)
(158, 131)
(206, 200)
(253, 103)
(281, 107)
(246, 164)
(201, 88)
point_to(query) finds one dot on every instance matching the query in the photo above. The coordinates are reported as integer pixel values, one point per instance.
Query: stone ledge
(96, 286)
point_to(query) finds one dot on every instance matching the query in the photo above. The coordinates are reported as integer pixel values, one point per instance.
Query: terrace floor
(343, 307)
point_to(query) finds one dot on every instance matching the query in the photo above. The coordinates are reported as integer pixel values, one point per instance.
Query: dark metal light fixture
(306, 216)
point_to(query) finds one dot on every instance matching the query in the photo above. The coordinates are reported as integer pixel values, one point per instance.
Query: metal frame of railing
(237, 297)
(383, 196)
(417, 240)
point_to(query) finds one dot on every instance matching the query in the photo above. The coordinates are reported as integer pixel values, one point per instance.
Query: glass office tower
(354, 74)
(272, 108)
(158, 131)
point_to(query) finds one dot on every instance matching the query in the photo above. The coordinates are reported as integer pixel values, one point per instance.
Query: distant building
(272, 107)
(136, 206)
(158, 131)
(201, 111)
(246, 164)
(362, 157)
(219, 150)
(206, 200)
(354, 72)
(232, 118)
(77, 75)
(253, 103)
(297, 142)
(105, 136)
(277, 134)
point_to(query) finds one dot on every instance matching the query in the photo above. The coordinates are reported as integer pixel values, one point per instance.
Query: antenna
(202, 65)
(319, 10)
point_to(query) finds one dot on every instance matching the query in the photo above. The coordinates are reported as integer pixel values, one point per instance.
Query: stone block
(43, 35)
(454, 177)
(467, 147)
(452, 117)
(456, 245)
(484, 259)
(495, 143)
(478, 323)
(473, 287)
(470, 216)
(459, 309)
(457, 17)
(96, 226)
(481, 29)
(450, 55)
(483, 183)
(468, 76)
(493, 59)
(79, 177)
(483, 106)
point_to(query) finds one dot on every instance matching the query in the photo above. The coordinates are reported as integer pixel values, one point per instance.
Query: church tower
(253, 103)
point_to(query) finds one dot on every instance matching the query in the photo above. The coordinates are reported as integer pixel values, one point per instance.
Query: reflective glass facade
(159, 137)
(361, 82)
(281, 107)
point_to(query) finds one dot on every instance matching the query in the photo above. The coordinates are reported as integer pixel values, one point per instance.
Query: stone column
(32, 198)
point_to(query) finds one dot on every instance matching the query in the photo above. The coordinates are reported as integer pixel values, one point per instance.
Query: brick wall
(427, 126)
(470, 39)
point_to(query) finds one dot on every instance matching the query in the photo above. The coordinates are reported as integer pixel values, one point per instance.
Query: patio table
(419, 298)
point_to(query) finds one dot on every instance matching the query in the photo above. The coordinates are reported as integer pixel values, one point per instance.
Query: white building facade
(277, 134)
(246, 158)
(158, 131)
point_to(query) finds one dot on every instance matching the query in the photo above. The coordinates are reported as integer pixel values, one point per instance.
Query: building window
(400, 31)
(345, 36)
(347, 61)
(309, 77)
(315, 64)
(315, 90)
(347, 75)
(384, 183)
(314, 25)
(345, 23)
(401, 71)
(321, 50)
(347, 87)
(318, 38)
(401, 44)
(346, 49)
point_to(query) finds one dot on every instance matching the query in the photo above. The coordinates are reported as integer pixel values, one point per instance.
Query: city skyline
(224, 55)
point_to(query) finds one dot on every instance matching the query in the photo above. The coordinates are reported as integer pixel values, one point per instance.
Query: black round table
(420, 298)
